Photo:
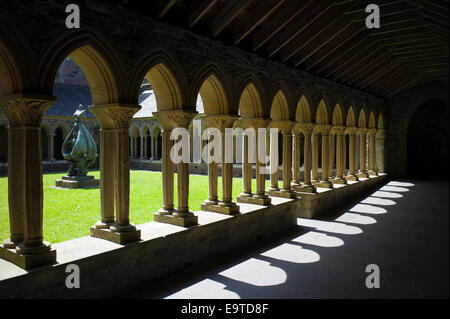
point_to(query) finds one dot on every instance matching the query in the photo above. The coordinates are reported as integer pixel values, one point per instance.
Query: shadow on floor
(402, 228)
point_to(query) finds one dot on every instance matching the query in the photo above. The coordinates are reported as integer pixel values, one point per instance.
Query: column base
(324, 184)
(43, 256)
(185, 221)
(118, 237)
(282, 193)
(255, 200)
(338, 180)
(10, 244)
(373, 173)
(362, 174)
(351, 178)
(305, 189)
(221, 208)
(103, 225)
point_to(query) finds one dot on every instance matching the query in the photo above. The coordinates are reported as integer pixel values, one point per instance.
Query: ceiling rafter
(224, 18)
(197, 10)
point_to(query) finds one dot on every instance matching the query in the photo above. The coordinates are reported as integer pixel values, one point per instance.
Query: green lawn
(69, 214)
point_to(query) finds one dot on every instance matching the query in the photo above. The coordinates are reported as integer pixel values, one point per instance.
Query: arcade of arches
(331, 136)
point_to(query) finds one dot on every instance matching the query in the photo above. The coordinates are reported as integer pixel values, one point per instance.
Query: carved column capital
(25, 109)
(351, 130)
(115, 115)
(372, 131)
(247, 122)
(305, 128)
(219, 121)
(324, 129)
(338, 130)
(177, 118)
(284, 126)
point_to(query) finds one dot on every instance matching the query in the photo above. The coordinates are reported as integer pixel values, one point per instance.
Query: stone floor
(403, 228)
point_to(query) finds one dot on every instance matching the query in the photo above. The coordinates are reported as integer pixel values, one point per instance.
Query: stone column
(181, 216)
(362, 153)
(332, 154)
(260, 197)
(142, 148)
(315, 158)
(25, 192)
(152, 147)
(371, 133)
(107, 178)
(287, 161)
(379, 157)
(351, 176)
(157, 155)
(307, 187)
(168, 170)
(145, 147)
(114, 122)
(296, 160)
(274, 175)
(16, 185)
(226, 206)
(131, 146)
(213, 178)
(51, 147)
(339, 131)
(324, 182)
(246, 170)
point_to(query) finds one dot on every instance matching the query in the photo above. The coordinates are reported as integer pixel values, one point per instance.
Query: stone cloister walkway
(402, 227)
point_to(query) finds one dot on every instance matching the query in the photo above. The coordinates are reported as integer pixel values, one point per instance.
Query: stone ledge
(164, 249)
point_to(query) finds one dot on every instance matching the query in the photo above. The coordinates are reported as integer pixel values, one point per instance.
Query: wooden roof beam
(198, 10)
(227, 14)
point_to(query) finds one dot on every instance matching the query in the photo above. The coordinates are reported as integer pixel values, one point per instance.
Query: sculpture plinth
(73, 182)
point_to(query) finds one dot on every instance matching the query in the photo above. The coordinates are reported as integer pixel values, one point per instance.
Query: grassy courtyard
(69, 214)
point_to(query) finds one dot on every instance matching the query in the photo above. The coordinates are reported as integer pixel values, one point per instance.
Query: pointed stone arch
(97, 59)
(380, 121)
(372, 122)
(322, 113)
(165, 78)
(362, 122)
(214, 89)
(250, 98)
(303, 113)
(350, 120)
(279, 109)
(337, 118)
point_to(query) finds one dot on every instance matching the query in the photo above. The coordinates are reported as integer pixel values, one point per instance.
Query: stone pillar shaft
(107, 175)
(315, 157)
(332, 154)
(296, 160)
(16, 183)
(167, 173)
(362, 153)
(246, 168)
(287, 161)
(325, 157)
(274, 175)
(122, 177)
(307, 159)
(51, 147)
(340, 156)
(352, 157)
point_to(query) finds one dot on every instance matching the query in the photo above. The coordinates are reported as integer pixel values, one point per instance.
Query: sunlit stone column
(296, 137)
(325, 131)
(142, 148)
(274, 174)
(332, 154)
(25, 192)
(213, 167)
(168, 171)
(315, 158)
(226, 205)
(107, 178)
(351, 176)
(260, 197)
(307, 186)
(181, 216)
(114, 121)
(371, 133)
(51, 147)
(340, 151)
(152, 147)
(362, 152)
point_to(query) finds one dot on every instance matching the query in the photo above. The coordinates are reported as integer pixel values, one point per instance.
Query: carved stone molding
(305, 128)
(25, 109)
(322, 128)
(177, 118)
(219, 121)
(114, 116)
(283, 126)
(338, 130)
(256, 123)
(350, 130)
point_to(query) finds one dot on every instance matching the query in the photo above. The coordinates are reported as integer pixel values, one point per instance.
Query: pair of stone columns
(154, 147)
(26, 247)
(114, 122)
(305, 130)
(285, 127)
(338, 153)
(260, 197)
(324, 130)
(181, 216)
(226, 206)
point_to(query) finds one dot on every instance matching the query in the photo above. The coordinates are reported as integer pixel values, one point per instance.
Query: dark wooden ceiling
(328, 38)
